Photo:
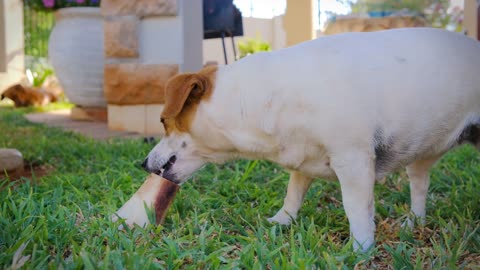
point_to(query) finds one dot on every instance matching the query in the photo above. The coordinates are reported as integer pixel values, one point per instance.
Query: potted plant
(75, 49)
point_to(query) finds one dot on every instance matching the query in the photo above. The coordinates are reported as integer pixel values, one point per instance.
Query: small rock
(10, 159)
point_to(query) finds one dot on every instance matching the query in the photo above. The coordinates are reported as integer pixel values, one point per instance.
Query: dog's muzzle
(163, 170)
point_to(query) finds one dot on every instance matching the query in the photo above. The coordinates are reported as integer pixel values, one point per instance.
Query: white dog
(352, 107)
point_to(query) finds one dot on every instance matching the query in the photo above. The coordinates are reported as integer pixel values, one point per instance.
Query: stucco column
(298, 21)
(471, 21)
(192, 15)
(12, 67)
(3, 62)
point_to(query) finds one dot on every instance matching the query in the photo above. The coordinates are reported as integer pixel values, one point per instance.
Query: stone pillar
(146, 43)
(12, 67)
(471, 21)
(298, 21)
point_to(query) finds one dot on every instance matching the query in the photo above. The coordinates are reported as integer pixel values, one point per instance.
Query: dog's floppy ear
(12, 91)
(182, 91)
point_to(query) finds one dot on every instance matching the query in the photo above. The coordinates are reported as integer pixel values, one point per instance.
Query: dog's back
(413, 91)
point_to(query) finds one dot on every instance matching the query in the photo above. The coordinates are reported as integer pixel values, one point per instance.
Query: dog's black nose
(144, 164)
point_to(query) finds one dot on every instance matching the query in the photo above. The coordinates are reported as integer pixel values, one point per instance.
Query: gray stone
(10, 159)
(141, 8)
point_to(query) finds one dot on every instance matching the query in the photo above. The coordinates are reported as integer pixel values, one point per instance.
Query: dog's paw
(408, 224)
(282, 217)
(363, 247)
(411, 221)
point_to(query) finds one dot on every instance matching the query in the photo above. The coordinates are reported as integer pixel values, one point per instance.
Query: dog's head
(24, 96)
(16, 93)
(178, 154)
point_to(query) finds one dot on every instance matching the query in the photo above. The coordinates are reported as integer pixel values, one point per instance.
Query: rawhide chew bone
(157, 193)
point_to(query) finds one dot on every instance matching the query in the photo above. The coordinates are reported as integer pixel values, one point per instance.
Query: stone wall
(146, 43)
(133, 83)
(128, 80)
(342, 25)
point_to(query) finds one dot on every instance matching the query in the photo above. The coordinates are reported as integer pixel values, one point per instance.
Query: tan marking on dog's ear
(179, 89)
(183, 93)
(168, 125)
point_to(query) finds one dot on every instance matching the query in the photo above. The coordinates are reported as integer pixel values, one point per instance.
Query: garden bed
(29, 171)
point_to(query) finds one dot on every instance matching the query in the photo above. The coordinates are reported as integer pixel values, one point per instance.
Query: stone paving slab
(96, 130)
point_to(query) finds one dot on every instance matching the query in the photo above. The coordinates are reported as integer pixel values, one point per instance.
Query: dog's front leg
(297, 187)
(356, 173)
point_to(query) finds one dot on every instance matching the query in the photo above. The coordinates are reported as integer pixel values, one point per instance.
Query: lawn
(218, 219)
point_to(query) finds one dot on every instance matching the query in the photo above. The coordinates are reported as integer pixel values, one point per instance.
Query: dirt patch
(29, 171)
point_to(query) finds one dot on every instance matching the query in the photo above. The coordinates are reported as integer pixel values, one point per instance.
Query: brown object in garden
(24, 96)
(157, 193)
(94, 114)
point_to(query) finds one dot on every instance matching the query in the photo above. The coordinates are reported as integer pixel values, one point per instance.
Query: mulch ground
(29, 172)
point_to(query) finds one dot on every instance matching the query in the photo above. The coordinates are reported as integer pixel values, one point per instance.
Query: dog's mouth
(168, 165)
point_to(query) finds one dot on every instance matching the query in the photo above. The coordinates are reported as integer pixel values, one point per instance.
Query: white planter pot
(75, 49)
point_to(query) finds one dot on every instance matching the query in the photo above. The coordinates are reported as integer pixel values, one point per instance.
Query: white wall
(160, 40)
(270, 30)
(191, 12)
(173, 39)
(12, 50)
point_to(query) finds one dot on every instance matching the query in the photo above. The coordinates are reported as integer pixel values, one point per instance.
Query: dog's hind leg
(297, 187)
(418, 174)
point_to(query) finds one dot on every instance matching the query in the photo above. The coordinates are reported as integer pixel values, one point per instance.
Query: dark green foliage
(37, 27)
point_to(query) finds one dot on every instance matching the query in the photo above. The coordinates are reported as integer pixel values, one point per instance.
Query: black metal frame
(222, 19)
(225, 50)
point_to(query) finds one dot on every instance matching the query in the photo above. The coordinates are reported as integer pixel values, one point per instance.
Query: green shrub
(253, 45)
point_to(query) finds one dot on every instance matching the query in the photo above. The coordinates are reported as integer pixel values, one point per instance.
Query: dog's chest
(310, 159)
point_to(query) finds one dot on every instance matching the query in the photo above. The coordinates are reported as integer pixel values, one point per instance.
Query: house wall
(192, 36)
(11, 43)
(3, 64)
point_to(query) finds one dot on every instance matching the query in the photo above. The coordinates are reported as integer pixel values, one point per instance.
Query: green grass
(218, 219)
